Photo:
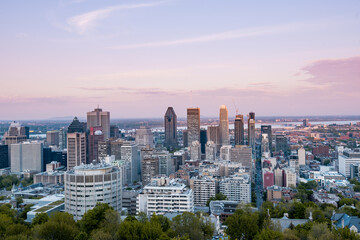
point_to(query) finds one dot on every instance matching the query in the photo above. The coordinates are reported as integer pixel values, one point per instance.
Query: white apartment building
(86, 185)
(203, 188)
(210, 150)
(236, 188)
(290, 177)
(163, 195)
(225, 152)
(347, 158)
(195, 151)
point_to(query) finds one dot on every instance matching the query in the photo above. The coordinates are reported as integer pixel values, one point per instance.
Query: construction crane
(236, 109)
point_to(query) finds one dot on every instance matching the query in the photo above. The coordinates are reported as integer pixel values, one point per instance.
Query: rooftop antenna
(236, 109)
(191, 99)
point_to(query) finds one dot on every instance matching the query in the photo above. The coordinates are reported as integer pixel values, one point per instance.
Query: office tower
(131, 159)
(241, 154)
(195, 151)
(27, 132)
(104, 149)
(15, 134)
(213, 134)
(115, 148)
(98, 118)
(302, 156)
(266, 129)
(203, 140)
(84, 188)
(306, 123)
(95, 137)
(225, 152)
(265, 143)
(203, 188)
(239, 130)
(52, 138)
(76, 149)
(347, 158)
(185, 138)
(355, 171)
(281, 144)
(163, 195)
(27, 156)
(144, 137)
(149, 168)
(236, 188)
(170, 125)
(76, 126)
(47, 156)
(224, 126)
(210, 151)
(4, 156)
(62, 139)
(251, 130)
(193, 125)
(166, 164)
(114, 132)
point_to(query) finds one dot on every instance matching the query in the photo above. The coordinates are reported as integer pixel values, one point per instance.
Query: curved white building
(87, 185)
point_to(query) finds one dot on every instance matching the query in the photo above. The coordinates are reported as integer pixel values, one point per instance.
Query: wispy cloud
(82, 23)
(235, 34)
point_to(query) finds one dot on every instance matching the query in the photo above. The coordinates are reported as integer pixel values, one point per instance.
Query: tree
(40, 218)
(92, 218)
(60, 226)
(188, 224)
(320, 231)
(347, 201)
(267, 233)
(242, 225)
(218, 196)
(129, 230)
(5, 222)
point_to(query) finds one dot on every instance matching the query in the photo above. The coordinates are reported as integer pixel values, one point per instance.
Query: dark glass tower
(170, 124)
(239, 130)
(203, 140)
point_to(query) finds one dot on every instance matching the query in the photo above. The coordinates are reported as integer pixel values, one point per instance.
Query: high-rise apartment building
(251, 130)
(266, 129)
(239, 130)
(236, 188)
(241, 154)
(76, 147)
(98, 118)
(87, 185)
(163, 195)
(224, 125)
(27, 156)
(302, 156)
(203, 188)
(193, 124)
(170, 125)
(265, 143)
(149, 168)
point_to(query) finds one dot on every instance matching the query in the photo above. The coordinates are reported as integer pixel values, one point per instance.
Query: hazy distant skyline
(136, 58)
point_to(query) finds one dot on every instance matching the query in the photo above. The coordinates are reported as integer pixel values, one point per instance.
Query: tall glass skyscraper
(170, 124)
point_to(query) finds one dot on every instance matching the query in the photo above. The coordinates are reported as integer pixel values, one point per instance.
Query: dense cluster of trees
(246, 224)
(7, 181)
(102, 223)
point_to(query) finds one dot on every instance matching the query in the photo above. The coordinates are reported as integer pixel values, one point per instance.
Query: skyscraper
(76, 147)
(203, 140)
(170, 124)
(266, 129)
(213, 134)
(98, 118)
(27, 156)
(15, 134)
(224, 125)
(52, 138)
(144, 137)
(95, 137)
(193, 124)
(239, 130)
(251, 130)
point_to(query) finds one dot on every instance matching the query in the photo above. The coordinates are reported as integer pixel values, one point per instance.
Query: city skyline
(61, 58)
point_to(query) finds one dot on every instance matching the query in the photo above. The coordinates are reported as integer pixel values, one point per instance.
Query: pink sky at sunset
(136, 58)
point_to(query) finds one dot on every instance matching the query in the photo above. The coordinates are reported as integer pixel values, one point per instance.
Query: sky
(136, 58)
